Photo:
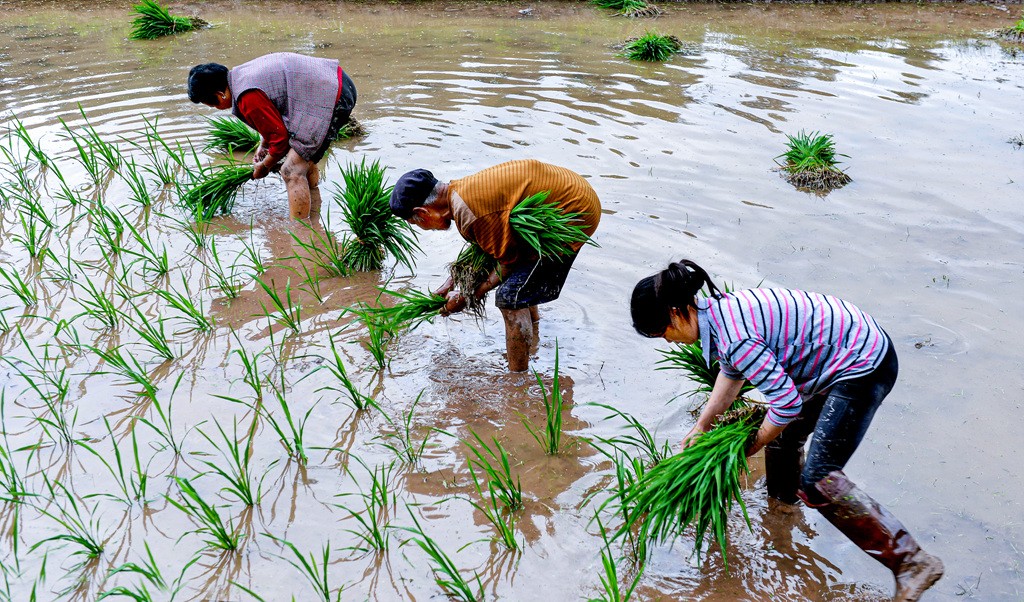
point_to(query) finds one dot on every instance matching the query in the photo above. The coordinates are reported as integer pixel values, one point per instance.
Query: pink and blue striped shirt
(790, 344)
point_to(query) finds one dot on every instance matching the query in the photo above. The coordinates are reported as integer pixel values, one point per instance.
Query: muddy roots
(469, 270)
(1012, 35)
(821, 179)
(352, 129)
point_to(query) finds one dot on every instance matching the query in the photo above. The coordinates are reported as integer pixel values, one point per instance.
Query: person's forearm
(493, 280)
(723, 394)
(765, 435)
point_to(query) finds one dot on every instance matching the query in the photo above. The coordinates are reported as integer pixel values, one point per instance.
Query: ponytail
(673, 288)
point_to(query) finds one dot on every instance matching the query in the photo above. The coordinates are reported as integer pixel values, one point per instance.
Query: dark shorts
(342, 112)
(534, 283)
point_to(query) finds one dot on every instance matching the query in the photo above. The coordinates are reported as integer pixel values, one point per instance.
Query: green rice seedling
(352, 129)
(95, 304)
(504, 522)
(376, 231)
(550, 438)
(230, 134)
(292, 438)
(629, 470)
(151, 331)
(312, 282)
(81, 527)
(374, 517)
(155, 263)
(629, 8)
(544, 227)
(85, 156)
(18, 129)
(697, 486)
(107, 153)
(153, 21)
(238, 474)
(109, 226)
(219, 534)
(402, 442)
(128, 367)
(191, 312)
(446, 574)
(613, 589)
(313, 570)
(224, 279)
(33, 235)
(250, 367)
(151, 574)
(641, 438)
(651, 47)
(325, 250)
(12, 485)
(1014, 33)
(251, 252)
(17, 285)
(197, 233)
(163, 160)
(163, 425)
(494, 464)
(288, 313)
(133, 481)
(216, 191)
(810, 162)
(412, 309)
(137, 183)
(690, 359)
(51, 383)
(469, 271)
(336, 366)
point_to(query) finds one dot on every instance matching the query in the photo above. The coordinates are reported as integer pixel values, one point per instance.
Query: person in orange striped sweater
(479, 205)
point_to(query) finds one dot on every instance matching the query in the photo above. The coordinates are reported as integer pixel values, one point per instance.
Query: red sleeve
(257, 110)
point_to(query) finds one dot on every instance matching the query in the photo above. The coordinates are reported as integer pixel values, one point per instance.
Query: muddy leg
(534, 314)
(313, 179)
(295, 171)
(518, 336)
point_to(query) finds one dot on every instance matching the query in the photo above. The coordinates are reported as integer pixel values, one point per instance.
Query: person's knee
(294, 171)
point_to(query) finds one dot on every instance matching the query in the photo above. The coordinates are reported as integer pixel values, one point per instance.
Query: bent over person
(297, 103)
(480, 206)
(824, 367)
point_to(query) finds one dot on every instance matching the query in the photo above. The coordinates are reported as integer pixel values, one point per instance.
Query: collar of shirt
(704, 326)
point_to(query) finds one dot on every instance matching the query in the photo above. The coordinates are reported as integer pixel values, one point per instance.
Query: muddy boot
(880, 534)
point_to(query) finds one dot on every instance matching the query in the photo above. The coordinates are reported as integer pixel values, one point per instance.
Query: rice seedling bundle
(230, 134)
(352, 129)
(1014, 33)
(810, 162)
(412, 309)
(629, 8)
(651, 47)
(215, 193)
(154, 21)
(376, 231)
(696, 487)
(470, 270)
(544, 227)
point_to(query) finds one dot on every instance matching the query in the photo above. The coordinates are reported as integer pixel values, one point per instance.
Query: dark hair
(204, 81)
(674, 287)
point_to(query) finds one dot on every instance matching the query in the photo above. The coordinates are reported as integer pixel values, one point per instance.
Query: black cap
(410, 191)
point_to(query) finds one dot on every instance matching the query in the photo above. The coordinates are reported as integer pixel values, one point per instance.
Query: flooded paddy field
(928, 238)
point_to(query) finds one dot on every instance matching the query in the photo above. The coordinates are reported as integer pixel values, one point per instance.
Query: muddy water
(928, 238)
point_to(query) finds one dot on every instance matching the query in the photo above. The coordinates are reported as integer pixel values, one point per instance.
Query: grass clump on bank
(153, 21)
(810, 162)
(1015, 33)
(629, 8)
(545, 228)
(376, 232)
(230, 134)
(651, 47)
(216, 191)
(470, 270)
(696, 487)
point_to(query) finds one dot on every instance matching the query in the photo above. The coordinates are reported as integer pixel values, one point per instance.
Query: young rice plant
(230, 134)
(154, 21)
(651, 47)
(810, 162)
(545, 228)
(629, 8)
(376, 232)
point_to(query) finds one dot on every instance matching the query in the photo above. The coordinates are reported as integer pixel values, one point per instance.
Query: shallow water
(927, 238)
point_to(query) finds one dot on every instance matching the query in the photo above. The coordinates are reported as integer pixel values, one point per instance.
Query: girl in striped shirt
(824, 366)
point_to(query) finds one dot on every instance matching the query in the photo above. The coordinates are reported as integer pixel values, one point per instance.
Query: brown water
(928, 238)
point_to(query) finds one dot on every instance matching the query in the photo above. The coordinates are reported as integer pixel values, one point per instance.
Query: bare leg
(313, 178)
(518, 334)
(534, 313)
(295, 171)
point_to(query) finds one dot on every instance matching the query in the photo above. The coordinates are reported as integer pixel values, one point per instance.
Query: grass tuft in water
(219, 534)
(216, 191)
(610, 582)
(545, 228)
(231, 134)
(550, 438)
(374, 518)
(651, 47)
(352, 129)
(336, 366)
(494, 464)
(629, 8)
(810, 162)
(376, 232)
(154, 21)
(446, 574)
(313, 570)
(696, 487)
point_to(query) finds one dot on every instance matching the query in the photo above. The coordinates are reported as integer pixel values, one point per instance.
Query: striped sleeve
(759, 365)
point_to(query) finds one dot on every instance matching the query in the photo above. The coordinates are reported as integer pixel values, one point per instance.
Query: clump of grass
(545, 228)
(696, 487)
(376, 232)
(651, 47)
(352, 129)
(1014, 33)
(216, 192)
(470, 270)
(230, 134)
(810, 162)
(629, 8)
(154, 21)
(550, 438)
